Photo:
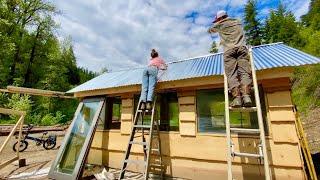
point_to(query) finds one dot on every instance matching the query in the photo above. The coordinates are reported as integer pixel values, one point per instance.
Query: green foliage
(281, 26)
(50, 119)
(252, 25)
(306, 88)
(312, 18)
(21, 103)
(214, 48)
(32, 56)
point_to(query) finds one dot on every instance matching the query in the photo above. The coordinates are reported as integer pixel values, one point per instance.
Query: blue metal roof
(265, 57)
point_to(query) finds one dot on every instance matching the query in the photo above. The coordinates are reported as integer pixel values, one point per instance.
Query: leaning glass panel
(77, 137)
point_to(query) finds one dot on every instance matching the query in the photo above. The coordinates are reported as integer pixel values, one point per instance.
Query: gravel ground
(39, 162)
(37, 158)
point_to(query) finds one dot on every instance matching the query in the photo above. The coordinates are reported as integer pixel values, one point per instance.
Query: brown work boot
(149, 105)
(237, 101)
(143, 106)
(245, 90)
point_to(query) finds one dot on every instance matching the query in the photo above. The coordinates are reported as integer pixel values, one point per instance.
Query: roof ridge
(196, 57)
(270, 44)
(192, 58)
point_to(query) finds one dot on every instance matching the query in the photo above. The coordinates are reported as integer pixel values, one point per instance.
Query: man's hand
(212, 29)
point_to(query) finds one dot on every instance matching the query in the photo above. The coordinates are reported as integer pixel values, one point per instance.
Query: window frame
(136, 100)
(53, 173)
(109, 113)
(263, 103)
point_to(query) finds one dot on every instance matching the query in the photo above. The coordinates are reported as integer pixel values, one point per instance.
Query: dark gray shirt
(230, 32)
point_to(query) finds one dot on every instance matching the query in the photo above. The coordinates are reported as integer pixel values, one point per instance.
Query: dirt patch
(311, 125)
(37, 157)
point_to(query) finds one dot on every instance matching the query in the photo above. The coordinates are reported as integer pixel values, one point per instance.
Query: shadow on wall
(316, 161)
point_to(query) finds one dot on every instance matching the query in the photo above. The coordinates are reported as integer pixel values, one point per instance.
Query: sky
(119, 34)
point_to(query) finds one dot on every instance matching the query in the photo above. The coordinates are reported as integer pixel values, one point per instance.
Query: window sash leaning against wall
(211, 112)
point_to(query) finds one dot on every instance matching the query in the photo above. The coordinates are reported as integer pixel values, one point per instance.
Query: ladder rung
(142, 126)
(243, 109)
(156, 165)
(155, 150)
(139, 143)
(146, 111)
(247, 155)
(243, 130)
(135, 162)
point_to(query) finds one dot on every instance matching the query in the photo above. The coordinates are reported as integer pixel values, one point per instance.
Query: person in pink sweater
(149, 80)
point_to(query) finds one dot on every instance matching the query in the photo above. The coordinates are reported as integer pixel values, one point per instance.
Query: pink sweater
(158, 62)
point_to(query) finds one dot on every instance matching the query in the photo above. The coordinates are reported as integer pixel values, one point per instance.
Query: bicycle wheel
(23, 146)
(49, 144)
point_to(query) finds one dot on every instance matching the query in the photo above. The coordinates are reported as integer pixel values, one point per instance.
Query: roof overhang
(214, 81)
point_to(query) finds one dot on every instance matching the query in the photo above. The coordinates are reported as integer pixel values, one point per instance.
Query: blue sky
(120, 34)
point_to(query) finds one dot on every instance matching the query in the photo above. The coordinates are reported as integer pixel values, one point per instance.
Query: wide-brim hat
(219, 14)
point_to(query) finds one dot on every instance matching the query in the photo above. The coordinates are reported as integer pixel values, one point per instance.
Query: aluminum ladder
(152, 130)
(262, 156)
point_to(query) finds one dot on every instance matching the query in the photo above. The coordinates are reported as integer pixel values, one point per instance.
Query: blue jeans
(149, 81)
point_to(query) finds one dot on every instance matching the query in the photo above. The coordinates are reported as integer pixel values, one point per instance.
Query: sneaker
(246, 101)
(245, 90)
(149, 106)
(143, 106)
(237, 102)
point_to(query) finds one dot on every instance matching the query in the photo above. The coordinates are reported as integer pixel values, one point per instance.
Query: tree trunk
(15, 59)
(27, 80)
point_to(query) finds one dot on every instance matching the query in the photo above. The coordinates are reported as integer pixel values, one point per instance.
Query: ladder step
(155, 150)
(243, 130)
(146, 111)
(141, 162)
(243, 109)
(139, 143)
(142, 126)
(247, 155)
(156, 165)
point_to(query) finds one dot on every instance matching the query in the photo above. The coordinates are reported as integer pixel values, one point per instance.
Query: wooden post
(20, 134)
(20, 122)
(11, 133)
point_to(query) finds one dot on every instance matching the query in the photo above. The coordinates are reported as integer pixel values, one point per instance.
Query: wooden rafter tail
(37, 92)
(11, 111)
(4, 90)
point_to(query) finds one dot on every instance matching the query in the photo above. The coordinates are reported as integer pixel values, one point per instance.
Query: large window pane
(169, 111)
(75, 142)
(113, 112)
(211, 114)
(167, 108)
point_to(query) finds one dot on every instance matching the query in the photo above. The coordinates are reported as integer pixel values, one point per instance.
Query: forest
(32, 55)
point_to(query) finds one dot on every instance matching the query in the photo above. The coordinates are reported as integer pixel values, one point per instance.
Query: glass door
(77, 141)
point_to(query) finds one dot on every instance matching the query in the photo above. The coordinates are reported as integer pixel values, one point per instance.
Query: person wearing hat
(236, 57)
(149, 80)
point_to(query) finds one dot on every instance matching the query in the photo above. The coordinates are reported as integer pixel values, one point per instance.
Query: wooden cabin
(190, 102)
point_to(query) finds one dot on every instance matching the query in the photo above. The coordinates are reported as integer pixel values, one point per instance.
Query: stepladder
(261, 151)
(144, 133)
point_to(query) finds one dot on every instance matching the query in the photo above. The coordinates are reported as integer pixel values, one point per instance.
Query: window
(211, 115)
(73, 151)
(113, 113)
(167, 108)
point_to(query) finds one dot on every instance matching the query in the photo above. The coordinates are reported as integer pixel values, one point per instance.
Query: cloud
(120, 34)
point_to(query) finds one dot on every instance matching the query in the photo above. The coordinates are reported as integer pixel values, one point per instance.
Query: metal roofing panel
(265, 57)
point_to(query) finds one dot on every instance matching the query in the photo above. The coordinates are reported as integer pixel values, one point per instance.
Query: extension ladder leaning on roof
(262, 155)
